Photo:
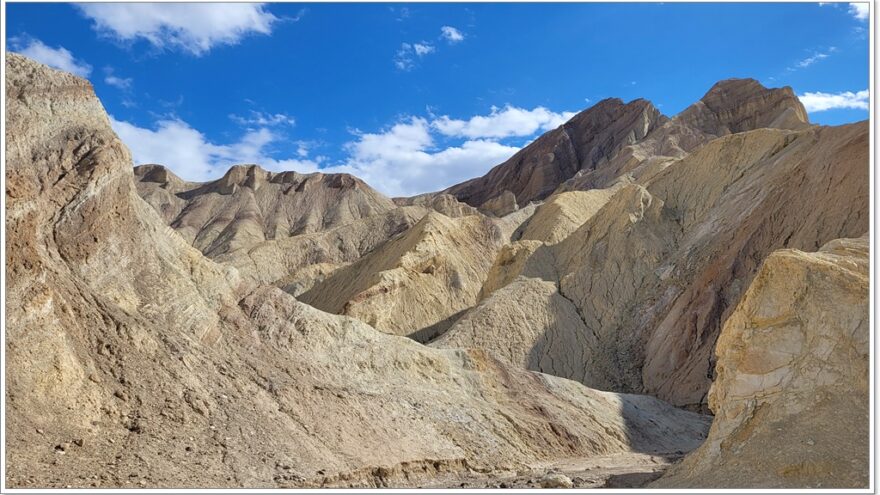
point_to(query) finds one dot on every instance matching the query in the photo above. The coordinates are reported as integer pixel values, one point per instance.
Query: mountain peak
(738, 105)
(616, 104)
(735, 83)
(152, 172)
(583, 142)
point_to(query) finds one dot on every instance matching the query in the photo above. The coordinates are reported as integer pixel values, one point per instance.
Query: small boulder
(556, 480)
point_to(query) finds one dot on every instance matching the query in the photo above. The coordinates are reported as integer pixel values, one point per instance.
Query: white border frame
(872, 296)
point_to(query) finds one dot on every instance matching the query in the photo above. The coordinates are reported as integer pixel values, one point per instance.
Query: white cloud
(501, 123)
(119, 82)
(401, 161)
(400, 14)
(59, 58)
(859, 10)
(423, 48)
(302, 148)
(451, 34)
(815, 58)
(191, 27)
(263, 119)
(401, 139)
(403, 59)
(186, 151)
(123, 83)
(811, 60)
(817, 102)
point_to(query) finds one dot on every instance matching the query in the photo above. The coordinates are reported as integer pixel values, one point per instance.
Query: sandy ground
(630, 470)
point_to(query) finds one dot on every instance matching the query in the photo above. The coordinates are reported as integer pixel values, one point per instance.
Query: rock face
(759, 202)
(791, 396)
(249, 205)
(418, 282)
(503, 204)
(542, 331)
(97, 287)
(443, 203)
(133, 359)
(598, 270)
(739, 105)
(563, 213)
(584, 142)
(286, 229)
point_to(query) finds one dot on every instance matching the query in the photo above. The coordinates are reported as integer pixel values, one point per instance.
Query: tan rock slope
(563, 213)
(791, 396)
(295, 263)
(416, 283)
(657, 269)
(133, 360)
(611, 252)
(529, 324)
(249, 205)
(286, 229)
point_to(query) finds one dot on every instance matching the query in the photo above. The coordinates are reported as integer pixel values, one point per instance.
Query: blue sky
(415, 97)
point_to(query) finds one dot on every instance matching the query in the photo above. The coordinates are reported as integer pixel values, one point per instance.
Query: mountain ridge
(714, 115)
(249, 204)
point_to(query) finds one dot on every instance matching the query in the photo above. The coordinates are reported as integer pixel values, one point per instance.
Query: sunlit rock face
(791, 396)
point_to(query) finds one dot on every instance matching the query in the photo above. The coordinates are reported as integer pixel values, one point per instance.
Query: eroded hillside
(133, 360)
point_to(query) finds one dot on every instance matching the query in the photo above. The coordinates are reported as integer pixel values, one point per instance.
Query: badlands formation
(630, 299)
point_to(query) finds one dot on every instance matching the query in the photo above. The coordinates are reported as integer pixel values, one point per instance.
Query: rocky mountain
(295, 263)
(655, 271)
(284, 229)
(584, 142)
(133, 360)
(541, 331)
(729, 107)
(249, 205)
(563, 213)
(612, 138)
(269, 329)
